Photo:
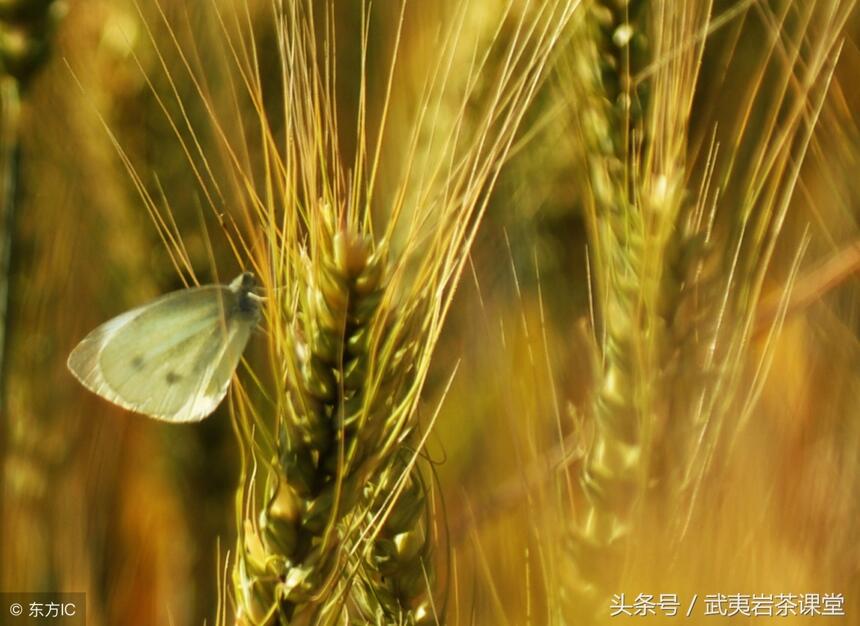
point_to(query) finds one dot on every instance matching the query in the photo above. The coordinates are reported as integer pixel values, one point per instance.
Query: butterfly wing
(171, 359)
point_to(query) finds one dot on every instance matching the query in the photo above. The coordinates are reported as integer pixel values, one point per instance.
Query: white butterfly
(171, 359)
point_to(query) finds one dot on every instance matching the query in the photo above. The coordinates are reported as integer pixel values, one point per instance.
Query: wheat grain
(352, 336)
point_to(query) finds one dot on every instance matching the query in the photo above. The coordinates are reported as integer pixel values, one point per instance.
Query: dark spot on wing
(172, 378)
(137, 362)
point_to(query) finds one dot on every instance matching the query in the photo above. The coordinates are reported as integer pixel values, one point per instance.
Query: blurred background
(140, 515)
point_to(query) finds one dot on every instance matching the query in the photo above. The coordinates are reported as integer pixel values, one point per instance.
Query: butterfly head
(248, 302)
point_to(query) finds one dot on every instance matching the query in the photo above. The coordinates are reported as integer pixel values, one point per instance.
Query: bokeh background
(140, 515)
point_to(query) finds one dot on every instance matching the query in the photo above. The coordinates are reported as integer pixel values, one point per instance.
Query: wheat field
(558, 310)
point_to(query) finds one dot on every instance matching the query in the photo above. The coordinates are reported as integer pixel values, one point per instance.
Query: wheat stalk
(611, 124)
(333, 423)
(396, 573)
(670, 361)
(26, 463)
(26, 28)
(351, 332)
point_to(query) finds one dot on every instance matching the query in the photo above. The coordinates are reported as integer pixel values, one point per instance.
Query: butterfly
(173, 358)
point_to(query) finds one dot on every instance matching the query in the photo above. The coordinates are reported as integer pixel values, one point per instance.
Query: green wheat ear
(314, 481)
(350, 373)
(334, 519)
(396, 575)
(609, 37)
